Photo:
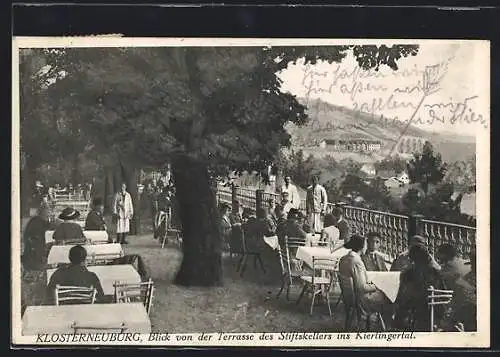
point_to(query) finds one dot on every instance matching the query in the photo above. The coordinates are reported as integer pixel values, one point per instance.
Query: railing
(436, 233)
(394, 228)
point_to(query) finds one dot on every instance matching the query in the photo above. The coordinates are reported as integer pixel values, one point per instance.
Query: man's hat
(68, 214)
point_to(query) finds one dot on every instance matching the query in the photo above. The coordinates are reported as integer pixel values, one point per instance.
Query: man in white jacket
(123, 211)
(316, 203)
(293, 193)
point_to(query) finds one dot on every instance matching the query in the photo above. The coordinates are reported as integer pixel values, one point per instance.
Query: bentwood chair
(320, 281)
(292, 268)
(74, 295)
(142, 292)
(437, 297)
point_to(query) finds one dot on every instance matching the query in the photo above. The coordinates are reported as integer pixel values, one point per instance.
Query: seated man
(452, 266)
(69, 231)
(95, 219)
(402, 261)
(74, 274)
(374, 261)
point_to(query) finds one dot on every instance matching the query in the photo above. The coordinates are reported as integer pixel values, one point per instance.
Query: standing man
(123, 211)
(316, 202)
(293, 193)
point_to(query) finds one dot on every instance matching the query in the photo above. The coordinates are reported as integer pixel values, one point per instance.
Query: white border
(479, 339)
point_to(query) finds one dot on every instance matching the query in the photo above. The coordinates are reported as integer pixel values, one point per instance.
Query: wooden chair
(437, 297)
(249, 250)
(291, 267)
(320, 281)
(93, 329)
(74, 294)
(143, 292)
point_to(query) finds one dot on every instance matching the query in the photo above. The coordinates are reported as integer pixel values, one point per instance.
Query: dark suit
(95, 222)
(69, 232)
(74, 275)
(374, 261)
(344, 229)
(453, 270)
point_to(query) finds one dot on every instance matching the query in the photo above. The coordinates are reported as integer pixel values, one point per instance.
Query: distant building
(403, 178)
(351, 145)
(369, 169)
(392, 182)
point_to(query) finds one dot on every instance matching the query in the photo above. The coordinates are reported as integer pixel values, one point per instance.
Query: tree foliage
(426, 168)
(208, 110)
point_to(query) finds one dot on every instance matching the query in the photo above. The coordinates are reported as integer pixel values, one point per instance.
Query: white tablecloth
(387, 281)
(93, 236)
(109, 274)
(272, 242)
(306, 254)
(60, 253)
(58, 319)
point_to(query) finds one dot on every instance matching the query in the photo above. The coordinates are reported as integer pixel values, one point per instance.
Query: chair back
(293, 265)
(143, 292)
(93, 329)
(437, 297)
(327, 265)
(103, 258)
(74, 295)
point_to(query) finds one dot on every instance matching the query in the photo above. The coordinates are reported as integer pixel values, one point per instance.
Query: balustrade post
(413, 225)
(234, 197)
(259, 198)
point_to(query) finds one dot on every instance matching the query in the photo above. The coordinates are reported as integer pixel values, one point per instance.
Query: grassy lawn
(245, 304)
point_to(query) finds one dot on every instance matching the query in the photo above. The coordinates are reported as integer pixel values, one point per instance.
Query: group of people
(419, 271)
(157, 204)
(68, 231)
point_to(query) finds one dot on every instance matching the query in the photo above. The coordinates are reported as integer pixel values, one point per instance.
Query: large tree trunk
(28, 178)
(202, 248)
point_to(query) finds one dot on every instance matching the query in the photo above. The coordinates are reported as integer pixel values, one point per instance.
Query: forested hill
(328, 121)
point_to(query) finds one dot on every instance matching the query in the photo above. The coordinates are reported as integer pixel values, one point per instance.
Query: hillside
(328, 121)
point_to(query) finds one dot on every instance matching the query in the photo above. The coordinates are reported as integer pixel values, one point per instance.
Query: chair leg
(282, 287)
(288, 291)
(328, 303)
(338, 301)
(244, 265)
(382, 323)
(261, 263)
(314, 293)
(240, 262)
(301, 294)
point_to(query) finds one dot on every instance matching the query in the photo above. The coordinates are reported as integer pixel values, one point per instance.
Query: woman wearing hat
(69, 231)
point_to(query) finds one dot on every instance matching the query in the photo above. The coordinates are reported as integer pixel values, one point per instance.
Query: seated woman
(412, 295)
(34, 240)
(74, 274)
(355, 285)
(330, 234)
(68, 231)
(256, 229)
(95, 219)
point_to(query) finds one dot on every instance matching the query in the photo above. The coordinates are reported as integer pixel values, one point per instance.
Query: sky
(457, 102)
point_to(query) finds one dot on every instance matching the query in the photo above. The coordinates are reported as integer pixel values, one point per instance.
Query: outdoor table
(272, 242)
(60, 253)
(61, 319)
(387, 281)
(306, 253)
(92, 236)
(109, 274)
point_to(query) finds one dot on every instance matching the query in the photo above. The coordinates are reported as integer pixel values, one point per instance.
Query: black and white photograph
(251, 192)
